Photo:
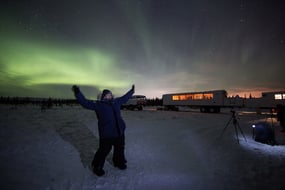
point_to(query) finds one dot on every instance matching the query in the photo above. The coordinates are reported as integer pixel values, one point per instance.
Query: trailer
(207, 101)
(269, 100)
(212, 101)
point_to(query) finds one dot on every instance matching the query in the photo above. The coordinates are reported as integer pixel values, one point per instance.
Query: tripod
(236, 125)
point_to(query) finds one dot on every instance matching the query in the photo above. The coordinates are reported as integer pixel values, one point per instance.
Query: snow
(53, 149)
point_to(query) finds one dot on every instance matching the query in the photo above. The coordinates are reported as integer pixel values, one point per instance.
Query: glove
(75, 89)
(133, 87)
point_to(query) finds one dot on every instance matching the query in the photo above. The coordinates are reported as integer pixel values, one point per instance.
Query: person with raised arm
(111, 127)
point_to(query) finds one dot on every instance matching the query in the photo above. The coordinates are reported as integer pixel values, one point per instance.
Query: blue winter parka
(110, 122)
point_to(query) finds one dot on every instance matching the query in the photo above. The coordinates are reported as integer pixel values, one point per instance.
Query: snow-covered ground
(165, 150)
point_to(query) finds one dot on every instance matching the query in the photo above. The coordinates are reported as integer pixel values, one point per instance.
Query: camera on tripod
(236, 125)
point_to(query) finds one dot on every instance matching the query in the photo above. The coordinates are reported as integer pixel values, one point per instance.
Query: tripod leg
(241, 131)
(226, 127)
(235, 124)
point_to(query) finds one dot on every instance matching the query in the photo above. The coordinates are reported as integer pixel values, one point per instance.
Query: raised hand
(75, 89)
(133, 87)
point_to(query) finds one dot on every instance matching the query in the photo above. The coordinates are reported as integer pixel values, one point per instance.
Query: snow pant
(105, 146)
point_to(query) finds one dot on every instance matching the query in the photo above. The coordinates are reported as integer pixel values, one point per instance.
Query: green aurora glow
(30, 64)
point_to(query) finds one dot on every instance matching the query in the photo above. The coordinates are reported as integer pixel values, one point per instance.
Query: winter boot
(121, 166)
(98, 171)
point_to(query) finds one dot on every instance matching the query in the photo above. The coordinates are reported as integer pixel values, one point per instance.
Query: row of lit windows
(199, 96)
(279, 96)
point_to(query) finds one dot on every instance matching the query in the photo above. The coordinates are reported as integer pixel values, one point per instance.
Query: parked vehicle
(135, 102)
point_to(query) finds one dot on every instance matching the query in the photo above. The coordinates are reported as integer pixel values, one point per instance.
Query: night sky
(161, 46)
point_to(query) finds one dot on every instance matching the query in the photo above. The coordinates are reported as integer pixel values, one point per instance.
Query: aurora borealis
(161, 46)
(48, 65)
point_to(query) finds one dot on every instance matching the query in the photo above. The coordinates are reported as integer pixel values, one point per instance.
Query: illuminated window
(283, 96)
(208, 96)
(199, 96)
(189, 97)
(278, 96)
(175, 97)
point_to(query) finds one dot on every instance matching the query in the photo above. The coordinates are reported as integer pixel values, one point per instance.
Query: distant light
(253, 126)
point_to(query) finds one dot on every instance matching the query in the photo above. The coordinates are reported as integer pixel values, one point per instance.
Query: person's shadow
(81, 138)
